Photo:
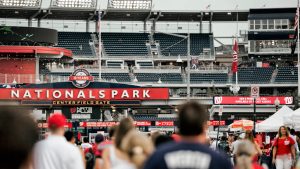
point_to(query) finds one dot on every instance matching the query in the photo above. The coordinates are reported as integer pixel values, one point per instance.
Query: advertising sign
(249, 100)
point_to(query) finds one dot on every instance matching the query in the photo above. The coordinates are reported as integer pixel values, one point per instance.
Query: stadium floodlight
(74, 3)
(20, 3)
(130, 4)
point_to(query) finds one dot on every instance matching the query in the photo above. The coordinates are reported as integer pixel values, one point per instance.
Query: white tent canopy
(293, 120)
(273, 123)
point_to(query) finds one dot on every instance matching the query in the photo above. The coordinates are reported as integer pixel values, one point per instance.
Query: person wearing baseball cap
(55, 151)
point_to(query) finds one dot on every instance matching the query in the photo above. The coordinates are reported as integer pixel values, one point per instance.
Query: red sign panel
(111, 123)
(164, 123)
(91, 78)
(249, 100)
(216, 123)
(85, 94)
(142, 123)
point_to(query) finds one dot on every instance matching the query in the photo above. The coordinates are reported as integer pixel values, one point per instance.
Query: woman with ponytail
(137, 148)
(244, 156)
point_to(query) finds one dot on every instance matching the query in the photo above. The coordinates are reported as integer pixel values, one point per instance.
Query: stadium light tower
(130, 4)
(20, 3)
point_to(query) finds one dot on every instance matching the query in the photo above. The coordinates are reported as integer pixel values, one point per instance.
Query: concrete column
(87, 27)
(37, 68)
(39, 23)
(210, 22)
(29, 22)
(145, 26)
(154, 25)
(201, 25)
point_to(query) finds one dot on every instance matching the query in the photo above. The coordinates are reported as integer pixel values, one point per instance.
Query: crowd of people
(126, 148)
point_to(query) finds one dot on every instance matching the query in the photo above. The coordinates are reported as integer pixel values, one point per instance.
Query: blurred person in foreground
(18, 135)
(190, 152)
(249, 136)
(55, 152)
(245, 153)
(283, 150)
(137, 149)
(113, 157)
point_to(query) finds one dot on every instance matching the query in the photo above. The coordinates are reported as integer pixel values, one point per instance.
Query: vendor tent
(293, 120)
(273, 123)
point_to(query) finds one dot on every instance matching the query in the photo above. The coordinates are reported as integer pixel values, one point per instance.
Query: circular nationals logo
(81, 78)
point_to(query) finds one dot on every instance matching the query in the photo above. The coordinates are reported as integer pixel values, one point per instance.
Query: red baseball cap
(56, 121)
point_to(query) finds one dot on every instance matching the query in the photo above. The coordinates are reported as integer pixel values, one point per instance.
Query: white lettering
(81, 94)
(38, 93)
(69, 94)
(91, 96)
(125, 94)
(101, 94)
(146, 94)
(27, 94)
(136, 94)
(56, 94)
(114, 93)
(15, 94)
(47, 94)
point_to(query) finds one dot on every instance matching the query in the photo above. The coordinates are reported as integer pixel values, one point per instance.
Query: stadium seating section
(125, 44)
(78, 42)
(174, 46)
(209, 77)
(164, 77)
(254, 75)
(119, 77)
(132, 44)
(286, 75)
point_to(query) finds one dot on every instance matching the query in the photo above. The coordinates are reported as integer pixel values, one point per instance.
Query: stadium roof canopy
(120, 15)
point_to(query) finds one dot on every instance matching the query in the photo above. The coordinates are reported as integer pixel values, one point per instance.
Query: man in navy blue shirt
(191, 152)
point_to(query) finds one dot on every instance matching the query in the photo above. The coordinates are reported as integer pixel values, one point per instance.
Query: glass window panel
(271, 23)
(257, 24)
(284, 23)
(264, 24)
(278, 24)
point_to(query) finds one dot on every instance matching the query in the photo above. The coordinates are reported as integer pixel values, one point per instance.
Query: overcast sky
(220, 4)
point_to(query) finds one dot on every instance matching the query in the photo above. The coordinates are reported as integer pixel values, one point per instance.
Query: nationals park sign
(79, 91)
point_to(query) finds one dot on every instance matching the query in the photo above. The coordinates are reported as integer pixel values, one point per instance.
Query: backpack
(90, 159)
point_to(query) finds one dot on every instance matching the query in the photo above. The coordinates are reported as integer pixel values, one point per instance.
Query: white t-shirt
(86, 146)
(56, 153)
(296, 144)
(235, 146)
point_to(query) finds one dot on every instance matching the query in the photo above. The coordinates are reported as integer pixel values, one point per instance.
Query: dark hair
(85, 139)
(223, 138)
(162, 139)
(18, 134)
(125, 126)
(292, 132)
(192, 118)
(69, 135)
(112, 131)
(99, 138)
(279, 131)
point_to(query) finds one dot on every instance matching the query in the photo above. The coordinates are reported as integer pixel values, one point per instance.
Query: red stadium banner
(112, 123)
(164, 123)
(85, 94)
(142, 123)
(249, 100)
(216, 123)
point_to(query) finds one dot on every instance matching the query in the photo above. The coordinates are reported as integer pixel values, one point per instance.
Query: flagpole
(100, 45)
(237, 30)
(298, 51)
